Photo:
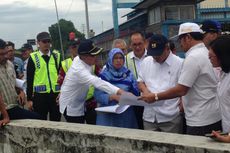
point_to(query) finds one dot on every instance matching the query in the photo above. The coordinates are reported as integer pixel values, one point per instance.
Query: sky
(24, 19)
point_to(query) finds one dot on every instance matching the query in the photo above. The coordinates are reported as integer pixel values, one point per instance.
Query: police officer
(42, 75)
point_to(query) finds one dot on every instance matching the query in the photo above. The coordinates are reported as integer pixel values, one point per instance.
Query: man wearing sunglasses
(42, 76)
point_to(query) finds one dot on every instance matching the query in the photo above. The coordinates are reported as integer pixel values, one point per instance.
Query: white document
(130, 99)
(21, 84)
(113, 109)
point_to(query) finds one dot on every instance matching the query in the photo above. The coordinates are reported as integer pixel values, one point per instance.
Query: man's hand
(57, 99)
(222, 138)
(181, 106)
(4, 113)
(148, 97)
(30, 105)
(4, 121)
(22, 98)
(144, 90)
(120, 91)
(114, 97)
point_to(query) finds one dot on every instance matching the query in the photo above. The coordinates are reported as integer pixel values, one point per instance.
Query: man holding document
(197, 84)
(78, 80)
(160, 71)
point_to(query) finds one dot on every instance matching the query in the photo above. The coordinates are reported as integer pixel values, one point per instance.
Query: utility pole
(115, 19)
(83, 28)
(59, 31)
(102, 26)
(87, 18)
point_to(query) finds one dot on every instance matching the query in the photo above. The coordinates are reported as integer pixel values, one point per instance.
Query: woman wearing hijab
(219, 55)
(117, 74)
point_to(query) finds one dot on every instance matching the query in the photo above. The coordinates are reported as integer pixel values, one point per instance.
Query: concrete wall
(27, 136)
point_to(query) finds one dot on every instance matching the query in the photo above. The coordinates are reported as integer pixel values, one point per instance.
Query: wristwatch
(156, 97)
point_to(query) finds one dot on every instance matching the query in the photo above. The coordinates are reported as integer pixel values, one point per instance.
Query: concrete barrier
(33, 136)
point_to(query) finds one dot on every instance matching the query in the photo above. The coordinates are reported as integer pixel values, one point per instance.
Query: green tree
(66, 27)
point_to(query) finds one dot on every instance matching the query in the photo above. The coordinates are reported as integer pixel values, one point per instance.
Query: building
(218, 9)
(164, 16)
(215, 9)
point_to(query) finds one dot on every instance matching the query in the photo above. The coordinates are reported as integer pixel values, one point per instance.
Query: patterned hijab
(118, 74)
(121, 75)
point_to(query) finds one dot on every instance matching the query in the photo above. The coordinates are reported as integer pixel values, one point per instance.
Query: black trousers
(88, 118)
(44, 103)
(202, 130)
(20, 113)
(139, 116)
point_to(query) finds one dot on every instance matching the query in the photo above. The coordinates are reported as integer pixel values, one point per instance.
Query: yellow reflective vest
(46, 75)
(66, 64)
(131, 65)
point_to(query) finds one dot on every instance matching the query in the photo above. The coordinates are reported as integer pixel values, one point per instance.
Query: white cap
(189, 27)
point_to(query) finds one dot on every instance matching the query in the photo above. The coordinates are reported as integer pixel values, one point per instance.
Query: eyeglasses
(45, 41)
(182, 36)
(137, 44)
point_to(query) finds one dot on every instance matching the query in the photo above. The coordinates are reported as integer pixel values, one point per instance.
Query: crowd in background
(184, 95)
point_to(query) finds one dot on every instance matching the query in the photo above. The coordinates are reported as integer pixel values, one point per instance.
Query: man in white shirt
(25, 52)
(197, 84)
(135, 57)
(160, 71)
(77, 81)
(133, 61)
(212, 30)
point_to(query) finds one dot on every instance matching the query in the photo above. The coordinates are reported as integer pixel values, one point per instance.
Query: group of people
(194, 89)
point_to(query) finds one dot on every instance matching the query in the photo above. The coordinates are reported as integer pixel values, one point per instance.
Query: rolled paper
(21, 84)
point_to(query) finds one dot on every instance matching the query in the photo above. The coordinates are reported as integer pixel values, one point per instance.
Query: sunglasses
(45, 41)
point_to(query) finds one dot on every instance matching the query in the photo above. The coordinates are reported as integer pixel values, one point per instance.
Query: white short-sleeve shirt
(201, 103)
(224, 96)
(157, 78)
(76, 85)
(137, 61)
